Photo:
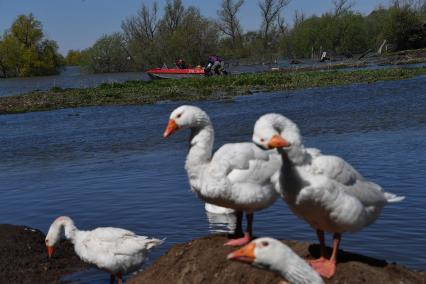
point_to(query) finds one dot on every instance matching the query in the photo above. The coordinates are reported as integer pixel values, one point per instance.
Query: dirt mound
(204, 261)
(23, 257)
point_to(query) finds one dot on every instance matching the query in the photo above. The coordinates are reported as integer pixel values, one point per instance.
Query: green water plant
(148, 92)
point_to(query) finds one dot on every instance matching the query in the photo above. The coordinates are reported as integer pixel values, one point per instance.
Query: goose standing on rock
(240, 176)
(325, 191)
(115, 250)
(274, 255)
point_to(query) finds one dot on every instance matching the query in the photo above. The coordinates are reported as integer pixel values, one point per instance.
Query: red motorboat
(175, 73)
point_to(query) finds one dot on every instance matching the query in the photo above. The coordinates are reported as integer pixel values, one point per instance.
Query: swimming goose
(240, 176)
(325, 191)
(274, 255)
(115, 250)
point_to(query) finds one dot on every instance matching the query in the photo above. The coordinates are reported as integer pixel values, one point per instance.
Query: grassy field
(142, 92)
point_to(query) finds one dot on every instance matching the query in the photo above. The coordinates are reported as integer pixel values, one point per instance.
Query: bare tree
(298, 18)
(270, 10)
(173, 14)
(282, 27)
(144, 25)
(342, 6)
(228, 21)
(415, 4)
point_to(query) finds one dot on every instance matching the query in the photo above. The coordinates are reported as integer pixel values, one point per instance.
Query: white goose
(325, 191)
(274, 255)
(239, 176)
(115, 250)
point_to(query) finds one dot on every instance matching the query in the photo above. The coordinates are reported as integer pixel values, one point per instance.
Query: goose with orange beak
(272, 254)
(325, 191)
(240, 176)
(115, 250)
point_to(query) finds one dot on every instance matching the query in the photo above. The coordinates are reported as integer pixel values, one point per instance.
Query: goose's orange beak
(171, 127)
(50, 251)
(277, 142)
(244, 254)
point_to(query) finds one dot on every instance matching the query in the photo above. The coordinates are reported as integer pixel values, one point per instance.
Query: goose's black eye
(179, 115)
(265, 243)
(262, 140)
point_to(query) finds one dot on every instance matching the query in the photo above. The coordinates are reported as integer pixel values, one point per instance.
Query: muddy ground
(23, 257)
(204, 261)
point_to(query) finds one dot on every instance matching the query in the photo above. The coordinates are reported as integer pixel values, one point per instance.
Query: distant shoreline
(148, 92)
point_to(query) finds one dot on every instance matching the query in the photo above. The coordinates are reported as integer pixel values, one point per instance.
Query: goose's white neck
(290, 132)
(65, 223)
(293, 268)
(297, 155)
(200, 149)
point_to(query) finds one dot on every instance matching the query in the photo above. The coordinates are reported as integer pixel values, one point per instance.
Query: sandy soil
(204, 261)
(23, 257)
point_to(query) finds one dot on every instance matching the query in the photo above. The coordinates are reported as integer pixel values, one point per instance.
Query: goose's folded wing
(331, 203)
(245, 162)
(117, 241)
(335, 168)
(110, 233)
(348, 181)
(368, 193)
(105, 240)
(132, 245)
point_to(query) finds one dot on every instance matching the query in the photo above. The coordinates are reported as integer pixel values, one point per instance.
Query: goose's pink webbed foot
(239, 242)
(323, 266)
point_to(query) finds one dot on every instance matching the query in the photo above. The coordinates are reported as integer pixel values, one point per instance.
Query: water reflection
(221, 223)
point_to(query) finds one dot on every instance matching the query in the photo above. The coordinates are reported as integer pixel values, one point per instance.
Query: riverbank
(24, 257)
(148, 92)
(204, 261)
(24, 260)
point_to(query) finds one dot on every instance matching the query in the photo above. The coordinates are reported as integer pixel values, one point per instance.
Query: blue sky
(76, 24)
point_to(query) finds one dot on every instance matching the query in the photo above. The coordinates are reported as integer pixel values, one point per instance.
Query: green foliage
(403, 28)
(182, 32)
(108, 54)
(27, 30)
(73, 58)
(349, 33)
(343, 34)
(375, 24)
(24, 52)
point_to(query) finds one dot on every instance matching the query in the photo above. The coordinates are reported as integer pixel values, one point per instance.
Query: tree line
(344, 32)
(25, 52)
(151, 37)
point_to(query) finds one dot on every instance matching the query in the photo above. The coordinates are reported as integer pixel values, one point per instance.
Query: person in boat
(180, 64)
(215, 65)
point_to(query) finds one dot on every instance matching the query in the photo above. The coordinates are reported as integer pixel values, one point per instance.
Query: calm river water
(73, 77)
(110, 166)
(70, 77)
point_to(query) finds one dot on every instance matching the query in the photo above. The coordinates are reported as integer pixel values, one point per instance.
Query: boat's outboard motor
(217, 72)
(208, 70)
